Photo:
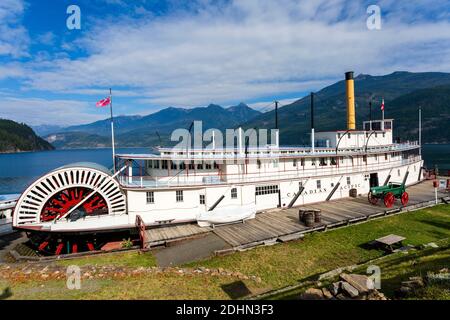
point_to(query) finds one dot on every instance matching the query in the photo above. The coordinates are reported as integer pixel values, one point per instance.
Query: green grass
(286, 264)
(120, 259)
(394, 269)
(148, 286)
(278, 266)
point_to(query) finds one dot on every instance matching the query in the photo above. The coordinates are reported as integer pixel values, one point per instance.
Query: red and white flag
(382, 104)
(103, 102)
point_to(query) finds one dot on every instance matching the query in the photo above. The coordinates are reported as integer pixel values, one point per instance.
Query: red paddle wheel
(62, 202)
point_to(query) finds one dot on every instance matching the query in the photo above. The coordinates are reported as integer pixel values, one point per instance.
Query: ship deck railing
(269, 152)
(184, 180)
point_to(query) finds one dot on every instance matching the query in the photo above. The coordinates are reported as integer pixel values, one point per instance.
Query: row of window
(179, 197)
(165, 164)
(261, 190)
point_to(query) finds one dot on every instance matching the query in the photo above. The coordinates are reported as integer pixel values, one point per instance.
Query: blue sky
(156, 54)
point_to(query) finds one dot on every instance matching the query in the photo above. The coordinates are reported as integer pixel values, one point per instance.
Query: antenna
(159, 137)
(420, 130)
(277, 137)
(276, 114)
(312, 122)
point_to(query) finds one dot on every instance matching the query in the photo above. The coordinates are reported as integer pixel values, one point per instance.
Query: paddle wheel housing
(54, 195)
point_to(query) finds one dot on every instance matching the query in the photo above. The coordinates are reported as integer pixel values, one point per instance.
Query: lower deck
(280, 225)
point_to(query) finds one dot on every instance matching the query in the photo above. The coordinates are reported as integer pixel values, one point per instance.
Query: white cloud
(35, 111)
(222, 53)
(246, 50)
(13, 36)
(46, 38)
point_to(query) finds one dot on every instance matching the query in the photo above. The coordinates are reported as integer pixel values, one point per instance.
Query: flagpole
(382, 115)
(112, 131)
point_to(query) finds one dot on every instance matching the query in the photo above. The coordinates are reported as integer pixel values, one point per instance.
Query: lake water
(18, 170)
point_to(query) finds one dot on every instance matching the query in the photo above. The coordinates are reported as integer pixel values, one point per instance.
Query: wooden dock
(280, 225)
(170, 234)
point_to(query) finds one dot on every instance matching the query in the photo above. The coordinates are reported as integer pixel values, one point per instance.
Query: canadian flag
(103, 102)
(382, 104)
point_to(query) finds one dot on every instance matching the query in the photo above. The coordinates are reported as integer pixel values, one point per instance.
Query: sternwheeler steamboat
(215, 185)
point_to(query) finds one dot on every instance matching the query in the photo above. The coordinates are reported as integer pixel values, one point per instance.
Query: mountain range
(147, 130)
(402, 91)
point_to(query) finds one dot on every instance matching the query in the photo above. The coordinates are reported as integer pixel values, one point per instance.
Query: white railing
(319, 171)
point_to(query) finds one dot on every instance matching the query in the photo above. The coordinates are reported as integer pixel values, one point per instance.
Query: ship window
(365, 158)
(233, 193)
(398, 172)
(275, 163)
(150, 164)
(349, 135)
(258, 162)
(385, 156)
(313, 161)
(156, 164)
(319, 184)
(376, 157)
(202, 199)
(302, 162)
(261, 190)
(375, 134)
(300, 184)
(191, 165)
(173, 165)
(164, 164)
(332, 184)
(333, 161)
(182, 166)
(200, 166)
(384, 134)
(294, 162)
(338, 135)
(150, 197)
(323, 162)
(216, 166)
(348, 180)
(179, 195)
(207, 166)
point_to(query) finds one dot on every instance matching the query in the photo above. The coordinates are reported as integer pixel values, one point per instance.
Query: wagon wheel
(389, 199)
(405, 198)
(372, 199)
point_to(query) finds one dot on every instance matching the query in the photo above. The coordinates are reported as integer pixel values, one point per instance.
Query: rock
(362, 283)
(312, 294)
(413, 283)
(340, 296)
(432, 245)
(335, 288)
(350, 290)
(326, 293)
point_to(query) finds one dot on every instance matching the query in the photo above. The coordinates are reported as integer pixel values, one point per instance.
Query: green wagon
(389, 193)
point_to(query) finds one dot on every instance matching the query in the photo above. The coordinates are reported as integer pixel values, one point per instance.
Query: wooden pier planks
(161, 235)
(283, 224)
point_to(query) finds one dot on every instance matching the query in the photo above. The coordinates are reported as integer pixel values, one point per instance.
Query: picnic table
(390, 241)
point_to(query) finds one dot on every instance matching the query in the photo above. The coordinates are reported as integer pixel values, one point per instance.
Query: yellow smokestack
(350, 86)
